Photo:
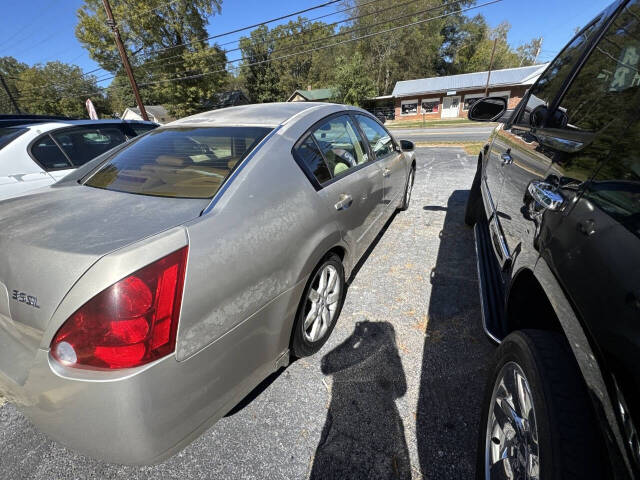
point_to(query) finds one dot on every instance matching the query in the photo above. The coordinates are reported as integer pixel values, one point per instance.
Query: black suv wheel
(537, 421)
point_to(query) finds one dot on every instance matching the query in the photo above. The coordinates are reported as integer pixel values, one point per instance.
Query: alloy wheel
(322, 303)
(511, 445)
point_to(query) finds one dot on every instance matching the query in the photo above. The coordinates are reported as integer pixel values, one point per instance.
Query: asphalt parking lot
(395, 393)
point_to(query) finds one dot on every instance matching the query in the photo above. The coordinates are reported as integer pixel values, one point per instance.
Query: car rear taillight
(131, 323)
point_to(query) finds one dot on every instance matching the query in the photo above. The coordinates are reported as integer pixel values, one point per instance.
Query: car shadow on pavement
(363, 436)
(455, 353)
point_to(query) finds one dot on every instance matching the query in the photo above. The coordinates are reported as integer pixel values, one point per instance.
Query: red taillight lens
(131, 323)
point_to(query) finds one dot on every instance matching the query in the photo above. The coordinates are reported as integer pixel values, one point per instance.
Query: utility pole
(13, 100)
(125, 60)
(493, 51)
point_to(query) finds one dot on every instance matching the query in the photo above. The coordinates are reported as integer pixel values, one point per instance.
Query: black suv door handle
(545, 195)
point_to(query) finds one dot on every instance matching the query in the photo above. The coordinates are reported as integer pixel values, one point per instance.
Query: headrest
(171, 161)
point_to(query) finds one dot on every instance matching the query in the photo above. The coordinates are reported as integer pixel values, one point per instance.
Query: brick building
(451, 96)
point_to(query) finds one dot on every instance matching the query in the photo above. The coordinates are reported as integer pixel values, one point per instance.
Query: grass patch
(471, 148)
(430, 123)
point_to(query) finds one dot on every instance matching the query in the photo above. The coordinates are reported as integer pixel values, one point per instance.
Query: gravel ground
(395, 393)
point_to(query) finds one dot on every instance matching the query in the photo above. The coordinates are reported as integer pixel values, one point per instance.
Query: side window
(548, 86)
(600, 107)
(340, 144)
(49, 155)
(379, 139)
(84, 144)
(607, 88)
(309, 153)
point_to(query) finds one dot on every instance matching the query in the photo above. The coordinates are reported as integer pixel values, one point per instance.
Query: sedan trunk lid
(48, 240)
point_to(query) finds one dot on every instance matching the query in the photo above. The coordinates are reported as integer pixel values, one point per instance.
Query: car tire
(327, 307)
(406, 199)
(473, 209)
(560, 417)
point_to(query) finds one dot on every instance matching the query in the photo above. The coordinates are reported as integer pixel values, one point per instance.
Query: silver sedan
(148, 292)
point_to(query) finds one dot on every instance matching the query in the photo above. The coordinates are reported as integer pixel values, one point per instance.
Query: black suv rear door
(592, 243)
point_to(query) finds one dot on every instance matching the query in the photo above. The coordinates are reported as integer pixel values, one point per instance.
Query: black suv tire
(568, 442)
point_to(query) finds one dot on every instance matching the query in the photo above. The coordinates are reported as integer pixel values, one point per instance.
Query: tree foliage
(432, 46)
(165, 40)
(176, 66)
(55, 88)
(352, 87)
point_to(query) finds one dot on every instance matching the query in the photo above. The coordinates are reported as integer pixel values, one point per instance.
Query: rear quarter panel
(258, 244)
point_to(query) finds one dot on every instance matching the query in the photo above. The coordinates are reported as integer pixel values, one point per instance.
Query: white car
(35, 155)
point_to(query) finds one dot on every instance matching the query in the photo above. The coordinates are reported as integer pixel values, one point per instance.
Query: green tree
(353, 87)
(10, 69)
(165, 42)
(58, 88)
(271, 70)
(528, 52)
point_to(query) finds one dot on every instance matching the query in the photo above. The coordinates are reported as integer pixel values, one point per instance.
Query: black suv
(555, 206)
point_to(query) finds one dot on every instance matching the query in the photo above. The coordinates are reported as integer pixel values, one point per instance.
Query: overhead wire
(321, 27)
(323, 47)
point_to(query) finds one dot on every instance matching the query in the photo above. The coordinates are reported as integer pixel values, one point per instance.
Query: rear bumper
(141, 416)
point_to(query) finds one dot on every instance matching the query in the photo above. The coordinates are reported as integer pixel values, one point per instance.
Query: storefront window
(430, 105)
(409, 107)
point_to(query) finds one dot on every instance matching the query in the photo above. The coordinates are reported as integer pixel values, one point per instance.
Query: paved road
(395, 393)
(473, 133)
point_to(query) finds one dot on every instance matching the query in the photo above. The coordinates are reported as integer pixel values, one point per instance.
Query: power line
(322, 5)
(455, 2)
(323, 26)
(323, 47)
(188, 77)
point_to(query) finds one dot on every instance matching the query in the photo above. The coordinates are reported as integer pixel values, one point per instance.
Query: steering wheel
(344, 156)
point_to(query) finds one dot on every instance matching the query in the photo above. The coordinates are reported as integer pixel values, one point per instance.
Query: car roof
(260, 114)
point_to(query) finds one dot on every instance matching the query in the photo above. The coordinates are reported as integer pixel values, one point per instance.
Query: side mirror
(406, 146)
(488, 109)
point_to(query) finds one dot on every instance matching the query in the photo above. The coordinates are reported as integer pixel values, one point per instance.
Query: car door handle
(545, 195)
(344, 202)
(386, 172)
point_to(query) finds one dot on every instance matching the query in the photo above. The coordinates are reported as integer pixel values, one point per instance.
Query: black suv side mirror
(488, 109)
(406, 146)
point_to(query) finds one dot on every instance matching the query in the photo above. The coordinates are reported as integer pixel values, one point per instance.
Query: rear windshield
(187, 162)
(8, 134)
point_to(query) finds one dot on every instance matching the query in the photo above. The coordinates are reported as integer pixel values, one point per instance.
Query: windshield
(8, 134)
(186, 162)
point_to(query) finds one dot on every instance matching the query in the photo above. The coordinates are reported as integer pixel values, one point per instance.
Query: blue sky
(37, 31)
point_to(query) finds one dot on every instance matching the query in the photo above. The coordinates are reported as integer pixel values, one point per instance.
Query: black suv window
(49, 155)
(608, 85)
(82, 144)
(548, 86)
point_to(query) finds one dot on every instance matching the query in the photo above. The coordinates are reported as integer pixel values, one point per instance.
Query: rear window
(9, 134)
(183, 162)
